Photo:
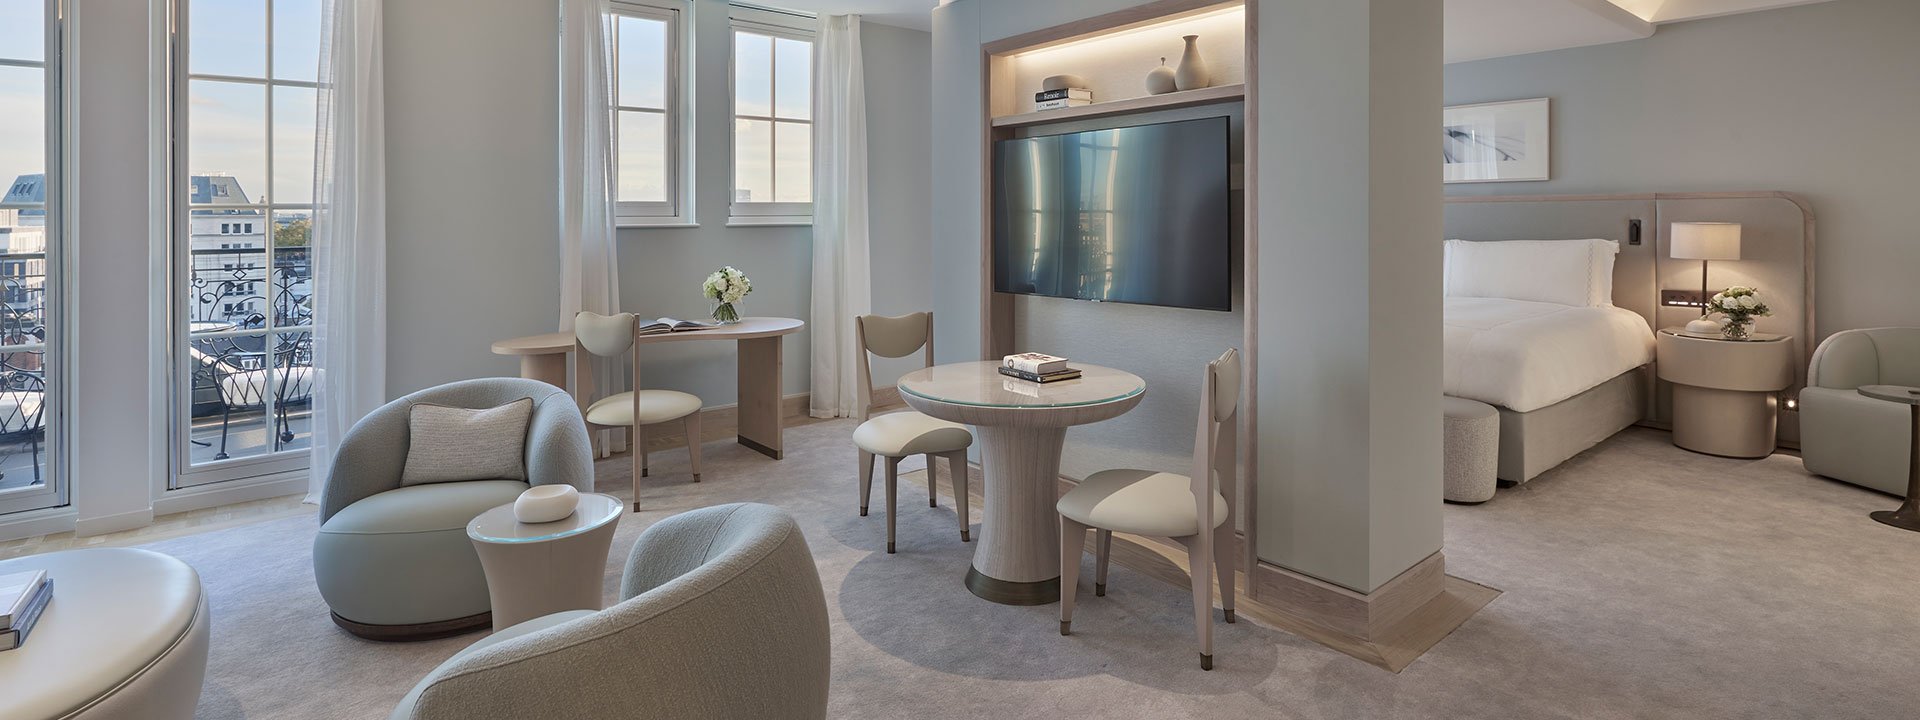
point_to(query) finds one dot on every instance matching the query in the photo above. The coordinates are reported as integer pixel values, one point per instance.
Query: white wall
(898, 66)
(1819, 100)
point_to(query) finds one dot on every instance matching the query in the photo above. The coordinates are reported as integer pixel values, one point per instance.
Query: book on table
(1042, 378)
(23, 604)
(663, 326)
(1033, 362)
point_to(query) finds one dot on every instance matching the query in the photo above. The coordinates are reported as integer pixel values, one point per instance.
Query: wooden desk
(758, 339)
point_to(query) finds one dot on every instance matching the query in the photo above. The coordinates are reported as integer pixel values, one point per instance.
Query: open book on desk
(670, 325)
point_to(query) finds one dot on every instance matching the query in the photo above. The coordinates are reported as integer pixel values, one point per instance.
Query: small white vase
(1193, 73)
(546, 503)
(1160, 80)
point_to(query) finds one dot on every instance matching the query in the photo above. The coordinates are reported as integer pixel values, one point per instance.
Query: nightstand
(1726, 393)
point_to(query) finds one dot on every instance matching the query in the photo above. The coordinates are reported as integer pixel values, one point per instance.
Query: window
(772, 118)
(245, 102)
(652, 184)
(31, 244)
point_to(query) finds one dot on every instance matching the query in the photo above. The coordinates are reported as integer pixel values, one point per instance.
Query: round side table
(1907, 517)
(1022, 426)
(536, 569)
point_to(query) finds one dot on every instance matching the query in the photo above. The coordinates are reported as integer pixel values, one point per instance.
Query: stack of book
(1037, 367)
(22, 596)
(1062, 98)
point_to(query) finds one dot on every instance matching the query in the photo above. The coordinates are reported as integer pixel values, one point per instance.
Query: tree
(298, 233)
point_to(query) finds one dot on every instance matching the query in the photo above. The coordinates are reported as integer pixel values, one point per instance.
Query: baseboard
(86, 527)
(1362, 616)
(233, 491)
(36, 523)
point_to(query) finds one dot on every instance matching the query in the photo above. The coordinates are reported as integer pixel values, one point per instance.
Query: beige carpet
(1640, 581)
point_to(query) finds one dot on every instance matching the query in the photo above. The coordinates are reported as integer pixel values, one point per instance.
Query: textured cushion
(402, 557)
(1577, 273)
(447, 444)
(910, 433)
(405, 708)
(1142, 502)
(655, 406)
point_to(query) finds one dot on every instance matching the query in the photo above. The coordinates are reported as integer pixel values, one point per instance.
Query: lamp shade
(1704, 241)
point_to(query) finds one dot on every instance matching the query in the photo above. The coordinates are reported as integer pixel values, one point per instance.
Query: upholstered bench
(125, 636)
(1472, 450)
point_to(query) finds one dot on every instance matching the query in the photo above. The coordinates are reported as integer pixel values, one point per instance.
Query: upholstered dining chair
(899, 435)
(608, 336)
(721, 616)
(1187, 508)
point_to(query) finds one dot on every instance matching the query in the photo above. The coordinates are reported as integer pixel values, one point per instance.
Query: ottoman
(124, 637)
(1472, 450)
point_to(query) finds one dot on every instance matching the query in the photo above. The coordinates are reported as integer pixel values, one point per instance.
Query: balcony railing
(250, 320)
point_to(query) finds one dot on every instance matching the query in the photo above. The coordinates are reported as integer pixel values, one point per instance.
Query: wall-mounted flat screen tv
(1134, 214)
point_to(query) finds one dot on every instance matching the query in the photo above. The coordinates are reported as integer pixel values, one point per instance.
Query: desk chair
(896, 436)
(608, 336)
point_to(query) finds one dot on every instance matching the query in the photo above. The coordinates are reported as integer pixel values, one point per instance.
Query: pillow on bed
(1565, 272)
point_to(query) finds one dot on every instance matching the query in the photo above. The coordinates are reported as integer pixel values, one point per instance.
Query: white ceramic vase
(546, 503)
(1193, 73)
(1160, 80)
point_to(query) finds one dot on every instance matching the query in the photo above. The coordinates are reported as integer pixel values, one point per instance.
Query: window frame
(776, 24)
(678, 208)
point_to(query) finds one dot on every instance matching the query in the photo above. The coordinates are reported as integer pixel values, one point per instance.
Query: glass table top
(981, 384)
(499, 526)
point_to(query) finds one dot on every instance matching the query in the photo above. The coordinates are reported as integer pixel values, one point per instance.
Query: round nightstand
(536, 569)
(1907, 517)
(1726, 393)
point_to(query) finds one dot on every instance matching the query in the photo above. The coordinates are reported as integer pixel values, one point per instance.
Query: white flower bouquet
(726, 287)
(1740, 305)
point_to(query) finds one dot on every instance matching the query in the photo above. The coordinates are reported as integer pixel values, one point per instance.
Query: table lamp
(1704, 241)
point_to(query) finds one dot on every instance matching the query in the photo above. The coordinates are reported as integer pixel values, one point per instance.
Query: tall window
(772, 121)
(31, 369)
(647, 132)
(246, 85)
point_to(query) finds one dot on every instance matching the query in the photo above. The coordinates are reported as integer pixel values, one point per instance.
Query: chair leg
(866, 480)
(1223, 565)
(933, 493)
(637, 444)
(957, 467)
(693, 443)
(226, 415)
(1073, 542)
(639, 458)
(893, 493)
(1102, 551)
(1200, 565)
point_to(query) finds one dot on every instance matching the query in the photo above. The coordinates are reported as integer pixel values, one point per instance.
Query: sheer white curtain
(842, 281)
(589, 275)
(349, 230)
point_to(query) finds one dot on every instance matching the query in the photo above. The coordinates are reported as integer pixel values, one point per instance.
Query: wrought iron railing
(250, 318)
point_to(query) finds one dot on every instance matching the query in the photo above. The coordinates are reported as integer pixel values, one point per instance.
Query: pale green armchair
(1850, 437)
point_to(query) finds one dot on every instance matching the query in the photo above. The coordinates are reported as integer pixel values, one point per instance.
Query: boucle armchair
(722, 616)
(1850, 437)
(393, 562)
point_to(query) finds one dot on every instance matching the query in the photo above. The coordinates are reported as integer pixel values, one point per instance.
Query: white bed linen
(1524, 355)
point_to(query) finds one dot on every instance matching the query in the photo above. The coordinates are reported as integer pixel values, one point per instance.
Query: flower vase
(725, 313)
(1737, 329)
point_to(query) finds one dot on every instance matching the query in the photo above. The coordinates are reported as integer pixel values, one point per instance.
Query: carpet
(1640, 581)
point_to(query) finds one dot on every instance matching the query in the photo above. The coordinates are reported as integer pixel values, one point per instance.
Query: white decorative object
(545, 504)
(1160, 80)
(1497, 142)
(1193, 73)
(726, 287)
(1740, 305)
(1063, 82)
(1704, 241)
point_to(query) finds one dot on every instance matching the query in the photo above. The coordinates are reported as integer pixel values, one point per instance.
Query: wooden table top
(746, 329)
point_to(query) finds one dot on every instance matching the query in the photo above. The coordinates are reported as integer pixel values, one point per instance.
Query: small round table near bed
(1022, 427)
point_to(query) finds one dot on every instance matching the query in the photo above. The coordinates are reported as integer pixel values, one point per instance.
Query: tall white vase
(1193, 73)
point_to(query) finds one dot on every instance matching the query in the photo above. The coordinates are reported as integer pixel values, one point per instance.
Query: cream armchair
(1850, 437)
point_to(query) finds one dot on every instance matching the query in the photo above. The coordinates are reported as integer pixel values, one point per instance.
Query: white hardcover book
(23, 623)
(1059, 104)
(17, 591)
(1034, 363)
(1074, 93)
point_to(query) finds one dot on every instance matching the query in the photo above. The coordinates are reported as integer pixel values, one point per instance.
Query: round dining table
(1022, 427)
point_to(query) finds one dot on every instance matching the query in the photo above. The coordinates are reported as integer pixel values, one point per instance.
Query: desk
(544, 358)
(1022, 427)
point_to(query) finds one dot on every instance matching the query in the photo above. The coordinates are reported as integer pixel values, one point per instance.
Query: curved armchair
(394, 562)
(1850, 437)
(722, 616)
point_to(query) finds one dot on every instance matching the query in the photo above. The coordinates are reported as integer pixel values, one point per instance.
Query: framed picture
(1497, 142)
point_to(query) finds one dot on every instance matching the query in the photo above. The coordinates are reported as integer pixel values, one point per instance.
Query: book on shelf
(1064, 94)
(17, 591)
(1042, 378)
(1033, 362)
(670, 325)
(21, 623)
(1060, 104)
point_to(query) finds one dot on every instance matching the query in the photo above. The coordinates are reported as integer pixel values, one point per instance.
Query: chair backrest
(1870, 356)
(1215, 437)
(723, 616)
(889, 337)
(603, 335)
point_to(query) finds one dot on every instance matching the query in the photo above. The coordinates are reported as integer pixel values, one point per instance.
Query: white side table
(536, 569)
(1726, 393)
(1907, 517)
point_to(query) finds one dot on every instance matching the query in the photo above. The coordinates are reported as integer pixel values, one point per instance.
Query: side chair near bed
(609, 336)
(899, 435)
(1848, 436)
(1187, 508)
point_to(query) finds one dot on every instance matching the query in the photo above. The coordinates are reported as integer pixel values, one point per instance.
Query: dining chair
(1186, 508)
(899, 435)
(608, 336)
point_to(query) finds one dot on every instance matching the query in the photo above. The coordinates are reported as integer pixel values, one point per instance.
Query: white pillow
(449, 444)
(1565, 272)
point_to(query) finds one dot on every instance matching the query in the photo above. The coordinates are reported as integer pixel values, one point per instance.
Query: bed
(1525, 356)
